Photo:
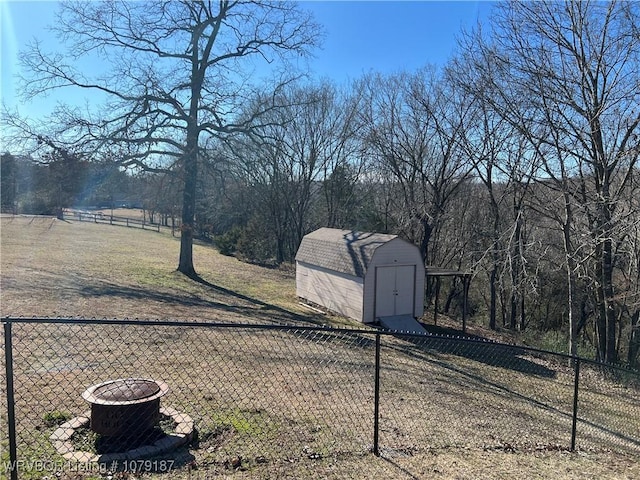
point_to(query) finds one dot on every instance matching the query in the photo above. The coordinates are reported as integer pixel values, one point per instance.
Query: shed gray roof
(343, 251)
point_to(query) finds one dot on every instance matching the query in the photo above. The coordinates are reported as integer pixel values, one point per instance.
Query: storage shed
(364, 276)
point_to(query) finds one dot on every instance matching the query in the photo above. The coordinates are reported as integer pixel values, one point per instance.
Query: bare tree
(413, 126)
(295, 158)
(565, 75)
(176, 74)
(345, 163)
(506, 168)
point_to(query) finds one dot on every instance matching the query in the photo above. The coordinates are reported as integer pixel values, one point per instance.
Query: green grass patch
(251, 423)
(55, 418)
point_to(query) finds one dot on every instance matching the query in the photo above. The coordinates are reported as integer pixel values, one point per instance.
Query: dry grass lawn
(470, 419)
(102, 271)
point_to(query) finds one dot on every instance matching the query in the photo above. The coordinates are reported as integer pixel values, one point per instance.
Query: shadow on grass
(295, 319)
(504, 356)
(400, 469)
(252, 307)
(449, 341)
(282, 312)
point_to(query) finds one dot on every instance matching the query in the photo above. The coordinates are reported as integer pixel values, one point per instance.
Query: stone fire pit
(126, 410)
(127, 407)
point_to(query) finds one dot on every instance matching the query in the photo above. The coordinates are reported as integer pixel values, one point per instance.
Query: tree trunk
(189, 204)
(492, 307)
(601, 307)
(517, 271)
(190, 158)
(453, 291)
(280, 240)
(610, 309)
(426, 238)
(185, 265)
(513, 314)
(495, 258)
(634, 340)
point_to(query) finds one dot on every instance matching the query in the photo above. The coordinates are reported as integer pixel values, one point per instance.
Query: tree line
(51, 183)
(517, 161)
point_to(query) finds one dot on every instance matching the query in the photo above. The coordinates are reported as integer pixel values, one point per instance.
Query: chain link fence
(248, 396)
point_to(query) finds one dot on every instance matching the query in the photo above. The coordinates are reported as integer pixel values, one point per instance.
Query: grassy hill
(61, 268)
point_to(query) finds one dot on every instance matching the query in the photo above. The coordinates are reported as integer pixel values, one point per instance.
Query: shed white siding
(341, 270)
(339, 292)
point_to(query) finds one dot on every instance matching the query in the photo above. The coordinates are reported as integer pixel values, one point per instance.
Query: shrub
(227, 243)
(255, 243)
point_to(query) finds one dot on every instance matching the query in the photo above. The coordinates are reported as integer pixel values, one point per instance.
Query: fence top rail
(288, 327)
(177, 323)
(107, 216)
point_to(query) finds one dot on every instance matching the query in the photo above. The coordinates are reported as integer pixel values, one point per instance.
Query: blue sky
(361, 37)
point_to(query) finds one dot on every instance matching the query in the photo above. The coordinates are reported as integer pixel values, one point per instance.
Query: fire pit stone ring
(117, 407)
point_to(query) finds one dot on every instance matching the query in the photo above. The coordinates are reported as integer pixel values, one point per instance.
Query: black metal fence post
(576, 381)
(376, 400)
(11, 413)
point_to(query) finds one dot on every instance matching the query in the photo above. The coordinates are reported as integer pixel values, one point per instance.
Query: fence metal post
(376, 400)
(575, 402)
(11, 413)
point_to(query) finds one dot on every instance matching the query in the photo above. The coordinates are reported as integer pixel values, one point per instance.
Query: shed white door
(395, 290)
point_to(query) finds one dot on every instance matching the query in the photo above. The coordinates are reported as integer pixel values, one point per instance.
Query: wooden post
(435, 308)
(466, 280)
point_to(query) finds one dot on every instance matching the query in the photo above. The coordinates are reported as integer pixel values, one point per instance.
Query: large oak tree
(174, 74)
